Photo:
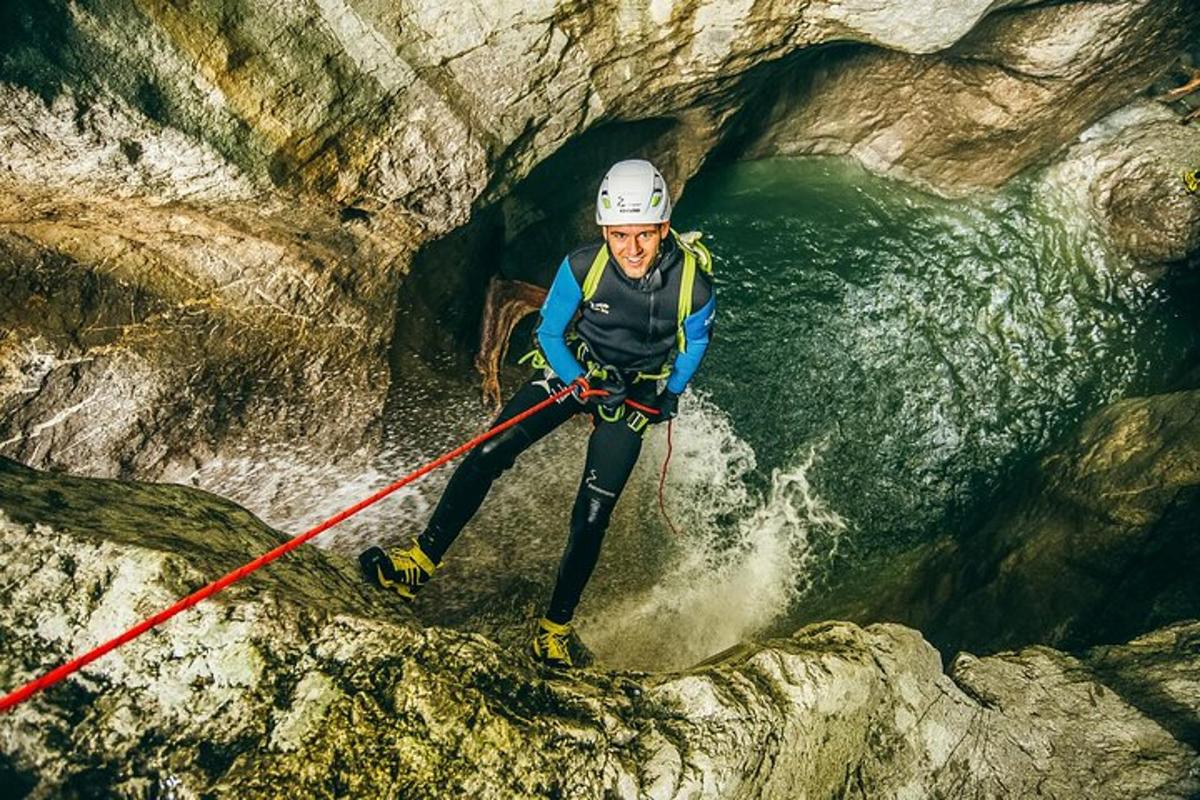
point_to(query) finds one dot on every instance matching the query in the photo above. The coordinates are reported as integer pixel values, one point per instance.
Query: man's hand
(667, 405)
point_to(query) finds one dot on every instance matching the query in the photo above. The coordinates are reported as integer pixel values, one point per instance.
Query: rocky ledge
(298, 677)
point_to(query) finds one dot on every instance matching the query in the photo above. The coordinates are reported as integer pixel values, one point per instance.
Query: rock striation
(297, 678)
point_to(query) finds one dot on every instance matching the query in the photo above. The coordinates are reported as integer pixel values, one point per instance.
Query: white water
(741, 559)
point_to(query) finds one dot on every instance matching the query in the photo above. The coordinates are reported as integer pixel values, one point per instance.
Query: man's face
(635, 246)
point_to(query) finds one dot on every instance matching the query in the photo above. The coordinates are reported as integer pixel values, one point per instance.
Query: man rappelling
(615, 314)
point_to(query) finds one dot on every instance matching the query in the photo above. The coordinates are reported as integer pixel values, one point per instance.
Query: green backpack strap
(595, 272)
(690, 243)
(694, 255)
(685, 298)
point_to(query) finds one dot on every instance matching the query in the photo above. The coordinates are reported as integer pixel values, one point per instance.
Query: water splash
(934, 344)
(293, 489)
(744, 557)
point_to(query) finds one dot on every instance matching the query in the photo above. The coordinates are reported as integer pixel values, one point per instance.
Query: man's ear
(663, 228)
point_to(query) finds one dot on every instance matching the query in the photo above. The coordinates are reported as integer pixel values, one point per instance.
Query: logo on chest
(599, 308)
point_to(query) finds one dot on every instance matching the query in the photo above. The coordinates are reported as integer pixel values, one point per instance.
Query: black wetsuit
(628, 324)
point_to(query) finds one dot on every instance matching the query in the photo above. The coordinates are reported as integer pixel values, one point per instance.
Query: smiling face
(635, 247)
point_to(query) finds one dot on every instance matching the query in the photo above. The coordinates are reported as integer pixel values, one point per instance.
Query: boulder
(1095, 543)
(1126, 171)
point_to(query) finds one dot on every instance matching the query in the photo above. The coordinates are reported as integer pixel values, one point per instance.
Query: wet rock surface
(299, 678)
(218, 220)
(146, 339)
(1127, 171)
(1010, 94)
(1095, 543)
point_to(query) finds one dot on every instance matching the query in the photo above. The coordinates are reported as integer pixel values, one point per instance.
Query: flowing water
(882, 360)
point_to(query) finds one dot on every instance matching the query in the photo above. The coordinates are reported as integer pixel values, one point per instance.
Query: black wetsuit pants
(613, 449)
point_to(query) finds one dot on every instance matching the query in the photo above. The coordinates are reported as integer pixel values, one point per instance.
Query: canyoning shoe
(402, 571)
(550, 644)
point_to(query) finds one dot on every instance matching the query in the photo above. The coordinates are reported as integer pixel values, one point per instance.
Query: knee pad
(591, 513)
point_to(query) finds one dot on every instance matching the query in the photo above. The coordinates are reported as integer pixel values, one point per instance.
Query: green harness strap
(694, 255)
(595, 273)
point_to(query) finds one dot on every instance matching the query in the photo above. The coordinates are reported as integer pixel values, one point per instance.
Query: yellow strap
(685, 297)
(536, 359)
(595, 272)
(652, 376)
(690, 243)
(611, 416)
(418, 555)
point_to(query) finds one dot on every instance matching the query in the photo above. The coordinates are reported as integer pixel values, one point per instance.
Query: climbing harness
(582, 352)
(61, 672)
(537, 361)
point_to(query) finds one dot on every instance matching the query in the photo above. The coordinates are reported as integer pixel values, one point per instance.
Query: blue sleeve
(560, 306)
(695, 334)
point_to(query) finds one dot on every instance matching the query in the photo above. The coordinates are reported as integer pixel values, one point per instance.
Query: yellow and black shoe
(550, 644)
(402, 571)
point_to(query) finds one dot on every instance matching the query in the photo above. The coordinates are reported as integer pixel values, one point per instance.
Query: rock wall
(1008, 95)
(297, 678)
(1095, 543)
(271, 174)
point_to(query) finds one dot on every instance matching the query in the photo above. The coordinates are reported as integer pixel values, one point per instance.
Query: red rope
(662, 480)
(56, 675)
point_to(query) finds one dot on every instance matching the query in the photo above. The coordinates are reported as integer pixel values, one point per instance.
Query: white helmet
(633, 193)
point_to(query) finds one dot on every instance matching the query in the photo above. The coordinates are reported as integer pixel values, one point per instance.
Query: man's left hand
(667, 405)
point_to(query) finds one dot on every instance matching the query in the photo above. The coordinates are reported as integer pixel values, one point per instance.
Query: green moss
(213, 535)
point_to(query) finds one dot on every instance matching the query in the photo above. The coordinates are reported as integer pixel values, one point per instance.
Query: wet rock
(1096, 544)
(1011, 94)
(298, 678)
(1126, 170)
(1154, 673)
(146, 339)
(383, 106)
